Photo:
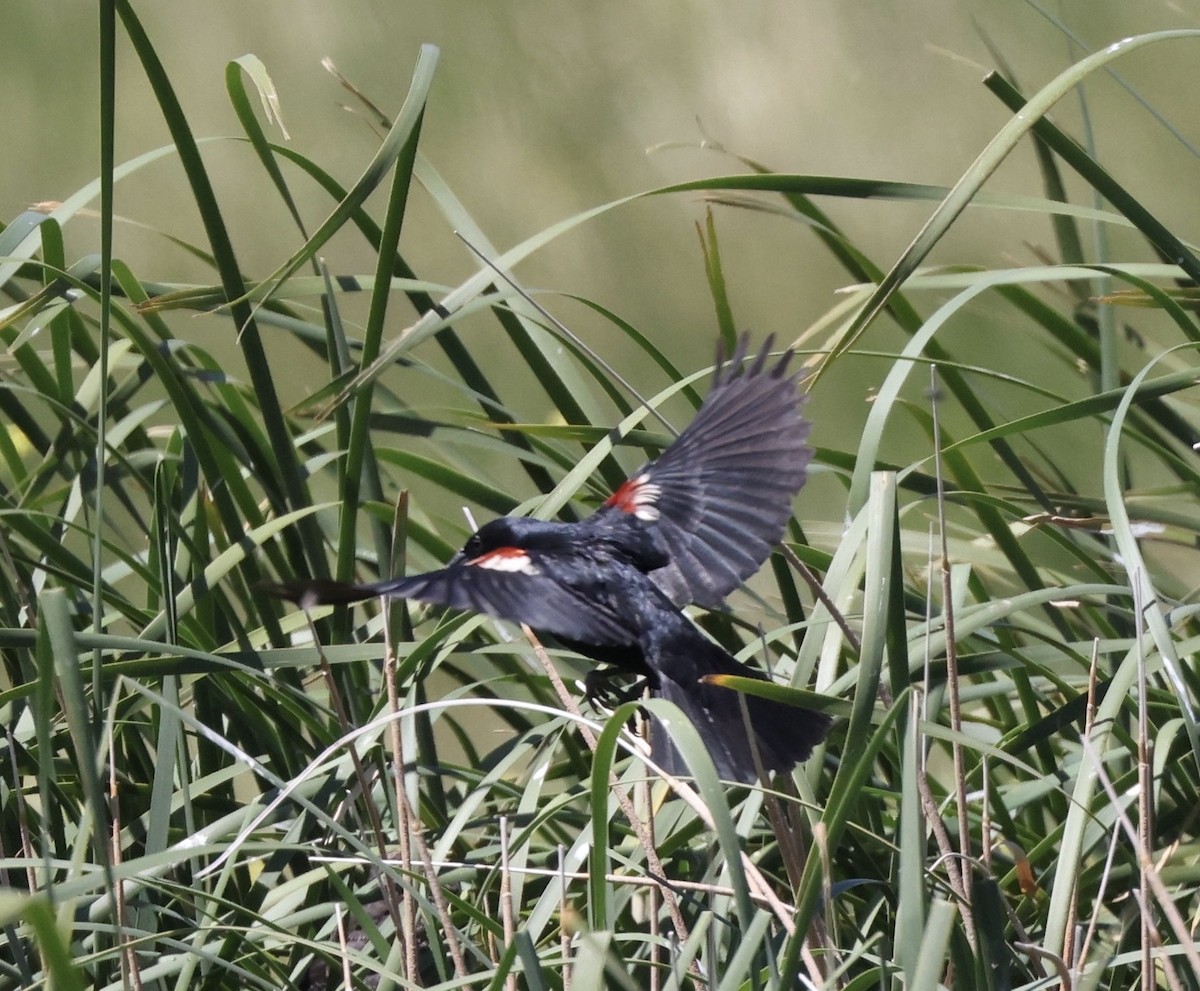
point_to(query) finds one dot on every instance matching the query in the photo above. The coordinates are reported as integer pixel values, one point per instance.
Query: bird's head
(513, 531)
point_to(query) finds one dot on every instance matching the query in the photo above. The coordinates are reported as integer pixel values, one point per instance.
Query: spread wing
(721, 494)
(508, 583)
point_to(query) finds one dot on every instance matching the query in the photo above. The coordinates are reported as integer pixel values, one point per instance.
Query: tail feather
(781, 735)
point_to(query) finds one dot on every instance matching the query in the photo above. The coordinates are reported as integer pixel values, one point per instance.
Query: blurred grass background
(543, 109)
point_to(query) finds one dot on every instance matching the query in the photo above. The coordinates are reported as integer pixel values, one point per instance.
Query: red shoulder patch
(514, 559)
(637, 497)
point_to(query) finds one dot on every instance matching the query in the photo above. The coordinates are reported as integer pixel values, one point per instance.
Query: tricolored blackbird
(687, 528)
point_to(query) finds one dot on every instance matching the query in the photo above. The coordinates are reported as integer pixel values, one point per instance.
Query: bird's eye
(473, 545)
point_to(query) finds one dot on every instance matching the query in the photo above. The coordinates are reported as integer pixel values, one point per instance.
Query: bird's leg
(601, 687)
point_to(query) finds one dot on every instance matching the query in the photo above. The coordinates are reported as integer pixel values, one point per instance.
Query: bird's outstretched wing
(721, 494)
(507, 582)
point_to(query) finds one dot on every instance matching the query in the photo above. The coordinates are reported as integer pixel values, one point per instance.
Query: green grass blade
(998, 149)
(1170, 247)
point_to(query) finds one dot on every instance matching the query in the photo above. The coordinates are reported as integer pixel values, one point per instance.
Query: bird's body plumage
(687, 528)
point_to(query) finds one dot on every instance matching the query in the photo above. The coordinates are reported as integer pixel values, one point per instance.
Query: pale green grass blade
(932, 950)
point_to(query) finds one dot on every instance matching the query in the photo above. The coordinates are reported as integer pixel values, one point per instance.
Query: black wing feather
(728, 480)
(537, 600)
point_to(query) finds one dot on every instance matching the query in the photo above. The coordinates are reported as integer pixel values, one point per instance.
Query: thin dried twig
(952, 676)
(818, 590)
(408, 905)
(1154, 879)
(413, 826)
(129, 960)
(506, 906)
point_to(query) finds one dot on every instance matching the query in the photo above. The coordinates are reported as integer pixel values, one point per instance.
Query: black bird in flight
(689, 527)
